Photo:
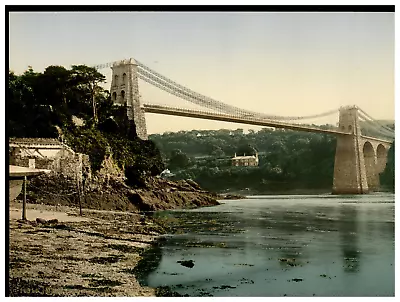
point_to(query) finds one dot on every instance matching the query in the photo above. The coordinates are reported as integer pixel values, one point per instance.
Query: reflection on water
(282, 245)
(348, 238)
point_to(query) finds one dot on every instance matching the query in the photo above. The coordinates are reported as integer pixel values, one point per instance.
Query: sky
(290, 64)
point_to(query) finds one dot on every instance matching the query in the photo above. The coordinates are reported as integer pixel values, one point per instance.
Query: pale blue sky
(278, 63)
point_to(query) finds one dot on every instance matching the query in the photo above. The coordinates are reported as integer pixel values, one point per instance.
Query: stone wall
(73, 167)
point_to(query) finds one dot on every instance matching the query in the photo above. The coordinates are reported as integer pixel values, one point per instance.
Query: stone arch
(116, 80)
(124, 78)
(370, 166)
(368, 150)
(114, 96)
(381, 158)
(350, 128)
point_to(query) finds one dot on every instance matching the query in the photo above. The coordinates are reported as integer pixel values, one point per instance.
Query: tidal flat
(91, 255)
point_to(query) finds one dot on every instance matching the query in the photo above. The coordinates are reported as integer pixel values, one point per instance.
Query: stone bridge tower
(349, 176)
(359, 159)
(125, 92)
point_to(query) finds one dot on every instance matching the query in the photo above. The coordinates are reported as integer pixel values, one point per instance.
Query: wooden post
(78, 187)
(24, 200)
(80, 198)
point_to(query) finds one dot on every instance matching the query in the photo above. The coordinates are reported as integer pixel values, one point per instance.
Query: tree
(245, 149)
(288, 159)
(56, 81)
(25, 107)
(387, 176)
(178, 159)
(88, 79)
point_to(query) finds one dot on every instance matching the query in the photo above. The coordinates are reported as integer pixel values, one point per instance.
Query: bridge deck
(369, 138)
(233, 119)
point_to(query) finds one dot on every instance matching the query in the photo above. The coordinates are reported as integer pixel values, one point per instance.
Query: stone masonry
(125, 92)
(358, 160)
(47, 153)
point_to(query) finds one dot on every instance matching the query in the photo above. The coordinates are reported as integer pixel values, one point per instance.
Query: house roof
(38, 142)
(244, 157)
(35, 141)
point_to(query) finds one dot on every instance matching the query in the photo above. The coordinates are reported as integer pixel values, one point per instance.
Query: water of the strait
(320, 245)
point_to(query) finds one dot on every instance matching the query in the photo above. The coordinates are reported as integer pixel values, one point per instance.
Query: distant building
(250, 160)
(166, 173)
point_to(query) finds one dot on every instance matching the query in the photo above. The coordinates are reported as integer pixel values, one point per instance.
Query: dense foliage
(48, 104)
(387, 177)
(288, 160)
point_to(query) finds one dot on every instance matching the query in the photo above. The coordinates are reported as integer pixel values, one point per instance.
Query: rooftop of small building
(244, 157)
(34, 140)
(38, 142)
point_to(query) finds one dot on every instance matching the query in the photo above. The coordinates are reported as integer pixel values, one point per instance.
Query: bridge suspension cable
(376, 132)
(168, 89)
(208, 102)
(104, 65)
(156, 79)
(375, 121)
(376, 128)
(373, 125)
(371, 131)
(196, 97)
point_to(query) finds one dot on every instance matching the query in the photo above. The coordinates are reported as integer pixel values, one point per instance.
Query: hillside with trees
(289, 161)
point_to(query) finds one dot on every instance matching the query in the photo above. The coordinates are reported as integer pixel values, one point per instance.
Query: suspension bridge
(359, 158)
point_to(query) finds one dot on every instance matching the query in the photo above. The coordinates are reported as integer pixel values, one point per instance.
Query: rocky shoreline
(96, 254)
(113, 194)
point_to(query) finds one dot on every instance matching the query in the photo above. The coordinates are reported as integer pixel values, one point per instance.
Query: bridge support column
(125, 92)
(349, 172)
(371, 167)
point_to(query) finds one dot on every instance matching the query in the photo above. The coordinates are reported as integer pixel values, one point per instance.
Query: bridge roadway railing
(150, 108)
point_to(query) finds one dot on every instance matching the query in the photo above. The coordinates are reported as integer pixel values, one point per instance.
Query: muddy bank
(94, 257)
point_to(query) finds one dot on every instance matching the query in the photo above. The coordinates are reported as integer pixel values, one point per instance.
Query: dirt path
(32, 214)
(92, 255)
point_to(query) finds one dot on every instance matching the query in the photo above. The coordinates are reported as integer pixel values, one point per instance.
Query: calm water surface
(335, 246)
